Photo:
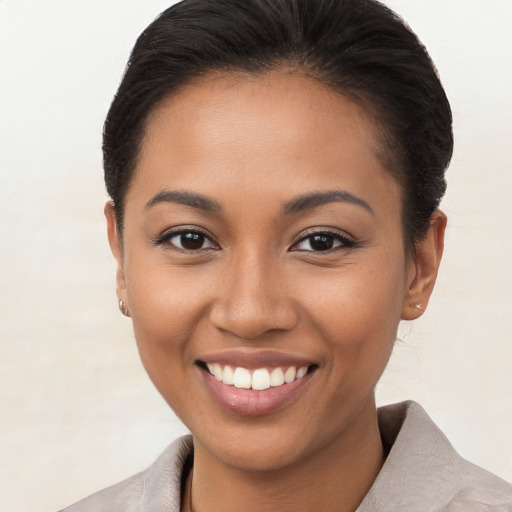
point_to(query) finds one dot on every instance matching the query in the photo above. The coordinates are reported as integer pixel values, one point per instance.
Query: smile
(258, 379)
(251, 385)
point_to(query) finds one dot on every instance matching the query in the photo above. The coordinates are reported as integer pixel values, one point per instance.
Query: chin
(262, 457)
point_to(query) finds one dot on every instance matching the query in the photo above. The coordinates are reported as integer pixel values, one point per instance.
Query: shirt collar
(422, 466)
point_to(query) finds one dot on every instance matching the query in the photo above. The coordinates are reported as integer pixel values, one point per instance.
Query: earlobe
(427, 258)
(114, 241)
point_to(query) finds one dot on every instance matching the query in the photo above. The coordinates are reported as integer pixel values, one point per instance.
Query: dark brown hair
(359, 47)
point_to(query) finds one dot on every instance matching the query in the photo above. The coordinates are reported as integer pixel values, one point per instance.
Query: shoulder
(117, 498)
(480, 491)
(157, 487)
(424, 472)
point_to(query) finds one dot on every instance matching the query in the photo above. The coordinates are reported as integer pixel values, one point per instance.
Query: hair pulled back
(359, 47)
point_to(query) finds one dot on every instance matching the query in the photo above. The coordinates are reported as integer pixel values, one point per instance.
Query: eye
(323, 241)
(187, 240)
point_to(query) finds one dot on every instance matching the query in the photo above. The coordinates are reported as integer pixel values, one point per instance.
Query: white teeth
(242, 378)
(260, 379)
(277, 377)
(289, 375)
(227, 376)
(216, 370)
(301, 372)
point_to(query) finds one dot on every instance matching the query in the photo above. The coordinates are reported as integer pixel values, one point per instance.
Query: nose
(252, 300)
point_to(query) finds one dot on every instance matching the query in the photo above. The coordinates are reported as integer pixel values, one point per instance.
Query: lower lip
(250, 402)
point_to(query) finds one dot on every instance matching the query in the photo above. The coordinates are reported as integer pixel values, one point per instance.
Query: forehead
(280, 131)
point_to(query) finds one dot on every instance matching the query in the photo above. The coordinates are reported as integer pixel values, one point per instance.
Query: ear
(116, 247)
(424, 268)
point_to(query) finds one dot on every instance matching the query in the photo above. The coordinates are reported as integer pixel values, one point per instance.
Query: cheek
(167, 309)
(357, 308)
(164, 298)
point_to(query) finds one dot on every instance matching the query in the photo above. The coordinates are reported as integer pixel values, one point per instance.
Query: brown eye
(192, 241)
(189, 241)
(323, 241)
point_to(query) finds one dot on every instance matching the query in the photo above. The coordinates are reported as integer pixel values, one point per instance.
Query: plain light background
(77, 412)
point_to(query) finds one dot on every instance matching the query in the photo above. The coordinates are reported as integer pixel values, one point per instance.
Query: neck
(335, 478)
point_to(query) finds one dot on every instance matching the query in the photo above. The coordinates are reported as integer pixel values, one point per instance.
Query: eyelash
(167, 237)
(344, 241)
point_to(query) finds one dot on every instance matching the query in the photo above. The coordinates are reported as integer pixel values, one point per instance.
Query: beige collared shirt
(422, 473)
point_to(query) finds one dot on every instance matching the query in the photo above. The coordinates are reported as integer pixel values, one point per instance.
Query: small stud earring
(418, 306)
(124, 310)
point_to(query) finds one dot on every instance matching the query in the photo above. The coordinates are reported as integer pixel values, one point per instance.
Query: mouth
(258, 379)
(252, 389)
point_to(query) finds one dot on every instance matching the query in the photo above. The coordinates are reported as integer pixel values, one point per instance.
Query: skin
(252, 144)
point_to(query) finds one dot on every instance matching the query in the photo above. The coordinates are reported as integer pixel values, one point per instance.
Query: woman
(275, 169)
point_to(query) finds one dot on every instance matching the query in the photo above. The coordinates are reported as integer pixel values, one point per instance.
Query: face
(263, 265)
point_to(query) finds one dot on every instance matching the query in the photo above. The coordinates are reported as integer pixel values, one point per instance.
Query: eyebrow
(297, 205)
(186, 198)
(310, 201)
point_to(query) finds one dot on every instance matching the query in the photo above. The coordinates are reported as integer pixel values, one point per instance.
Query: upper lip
(252, 359)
